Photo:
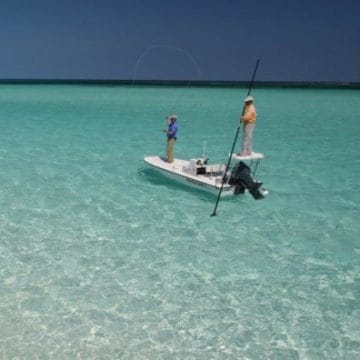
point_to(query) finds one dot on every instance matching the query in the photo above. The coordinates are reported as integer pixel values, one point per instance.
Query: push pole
(234, 142)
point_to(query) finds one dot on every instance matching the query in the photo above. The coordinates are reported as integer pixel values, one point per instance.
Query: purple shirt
(172, 130)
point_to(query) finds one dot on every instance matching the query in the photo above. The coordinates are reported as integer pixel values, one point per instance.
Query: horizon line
(219, 83)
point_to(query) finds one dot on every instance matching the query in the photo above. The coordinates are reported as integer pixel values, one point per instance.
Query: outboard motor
(241, 178)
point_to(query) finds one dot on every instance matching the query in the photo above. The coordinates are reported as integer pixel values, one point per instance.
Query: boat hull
(209, 182)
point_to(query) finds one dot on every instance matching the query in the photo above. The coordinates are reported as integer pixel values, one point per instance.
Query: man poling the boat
(248, 120)
(235, 139)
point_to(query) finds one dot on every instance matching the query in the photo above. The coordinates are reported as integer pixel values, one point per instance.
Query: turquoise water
(101, 258)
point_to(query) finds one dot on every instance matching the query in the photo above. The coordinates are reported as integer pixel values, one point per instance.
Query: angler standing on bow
(171, 137)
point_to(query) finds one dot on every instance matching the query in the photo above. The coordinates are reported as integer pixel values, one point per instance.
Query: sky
(207, 40)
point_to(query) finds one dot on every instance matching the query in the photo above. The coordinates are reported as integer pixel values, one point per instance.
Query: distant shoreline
(195, 83)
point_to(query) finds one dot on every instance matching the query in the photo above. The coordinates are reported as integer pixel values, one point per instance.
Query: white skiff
(197, 173)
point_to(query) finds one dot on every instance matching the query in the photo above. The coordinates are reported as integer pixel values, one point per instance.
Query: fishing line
(173, 106)
(169, 47)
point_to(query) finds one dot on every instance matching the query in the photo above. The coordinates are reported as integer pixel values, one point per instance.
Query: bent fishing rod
(234, 142)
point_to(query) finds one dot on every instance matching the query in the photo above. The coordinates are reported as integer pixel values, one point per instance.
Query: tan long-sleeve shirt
(249, 116)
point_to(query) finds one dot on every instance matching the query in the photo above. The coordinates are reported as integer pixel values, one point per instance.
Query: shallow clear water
(103, 258)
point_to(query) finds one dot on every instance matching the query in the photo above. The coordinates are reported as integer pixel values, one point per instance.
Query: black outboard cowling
(241, 178)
